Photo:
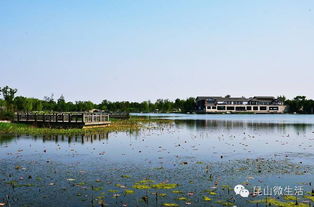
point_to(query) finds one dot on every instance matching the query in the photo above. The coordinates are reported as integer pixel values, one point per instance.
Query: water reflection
(189, 125)
(231, 125)
(84, 138)
(198, 154)
(90, 138)
(5, 139)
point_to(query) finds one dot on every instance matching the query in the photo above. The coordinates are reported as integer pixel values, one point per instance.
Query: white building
(228, 104)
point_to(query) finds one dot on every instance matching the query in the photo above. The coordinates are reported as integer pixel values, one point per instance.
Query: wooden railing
(62, 117)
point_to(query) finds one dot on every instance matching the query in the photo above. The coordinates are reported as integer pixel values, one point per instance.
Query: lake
(192, 160)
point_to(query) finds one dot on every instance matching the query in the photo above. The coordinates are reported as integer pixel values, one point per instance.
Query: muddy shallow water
(196, 160)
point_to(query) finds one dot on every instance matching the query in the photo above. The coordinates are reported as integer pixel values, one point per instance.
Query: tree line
(11, 103)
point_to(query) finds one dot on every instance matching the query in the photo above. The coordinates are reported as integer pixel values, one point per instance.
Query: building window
(221, 108)
(240, 108)
(230, 108)
(214, 107)
(263, 108)
(208, 107)
(249, 108)
(255, 108)
(273, 108)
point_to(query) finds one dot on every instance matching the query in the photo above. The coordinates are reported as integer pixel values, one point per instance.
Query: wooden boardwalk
(64, 120)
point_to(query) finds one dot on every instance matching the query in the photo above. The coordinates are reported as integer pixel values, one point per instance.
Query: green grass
(132, 124)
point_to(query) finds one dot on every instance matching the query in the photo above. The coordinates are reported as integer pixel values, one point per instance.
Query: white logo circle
(244, 193)
(240, 190)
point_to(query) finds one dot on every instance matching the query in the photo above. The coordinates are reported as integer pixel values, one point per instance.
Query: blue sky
(144, 50)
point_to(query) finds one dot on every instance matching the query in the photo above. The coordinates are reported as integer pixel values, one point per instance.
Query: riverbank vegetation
(127, 125)
(12, 103)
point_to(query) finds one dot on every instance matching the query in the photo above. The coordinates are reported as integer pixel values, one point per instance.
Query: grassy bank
(132, 124)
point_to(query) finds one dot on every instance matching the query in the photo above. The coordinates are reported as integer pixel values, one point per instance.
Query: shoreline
(132, 124)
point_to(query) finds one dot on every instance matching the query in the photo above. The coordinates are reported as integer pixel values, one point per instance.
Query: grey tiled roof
(220, 98)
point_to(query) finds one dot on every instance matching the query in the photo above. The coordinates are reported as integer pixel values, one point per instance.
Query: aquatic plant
(165, 186)
(129, 191)
(309, 197)
(224, 203)
(170, 204)
(182, 198)
(139, 186)
(206, 198)
(276, 202)
(132, 124)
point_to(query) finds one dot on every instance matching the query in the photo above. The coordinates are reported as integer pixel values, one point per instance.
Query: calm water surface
(205, 155)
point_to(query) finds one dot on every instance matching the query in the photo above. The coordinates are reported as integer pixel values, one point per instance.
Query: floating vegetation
(100, 197)
(182, 199)
(24, 185)
(80, 184)
(97, 188)
(165, 186)
(140, 186)
(206, 198)
(170, 204)
(224, 203)
(290, 197)
(120, 186)
(309, 197)
(210, 192)
(145, 181)
(129, 191)
(125, 176)
(113, 191)
(276, 202)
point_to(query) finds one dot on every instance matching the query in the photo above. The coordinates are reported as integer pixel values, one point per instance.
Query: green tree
(84, 105)
(28, 105)
(37, 105)
(145, 107)
(61, 104)
(20, 103)
(178, 104)
(8, 96)
(49, 104)
(2, 103)
(189, 105)
(282, 99)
